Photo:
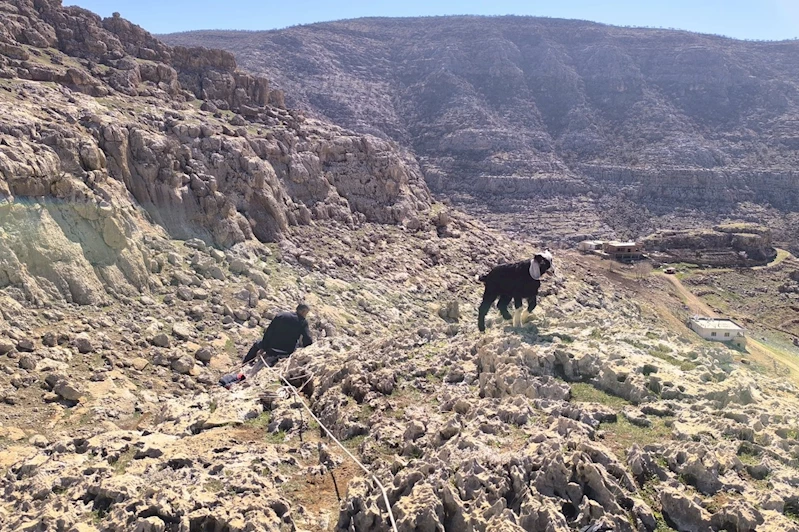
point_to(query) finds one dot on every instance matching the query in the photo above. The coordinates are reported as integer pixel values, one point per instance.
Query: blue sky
(744, 19)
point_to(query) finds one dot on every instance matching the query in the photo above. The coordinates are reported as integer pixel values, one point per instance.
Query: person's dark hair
(302, 307)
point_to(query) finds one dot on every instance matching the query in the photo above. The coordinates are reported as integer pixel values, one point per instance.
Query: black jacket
(284, 332)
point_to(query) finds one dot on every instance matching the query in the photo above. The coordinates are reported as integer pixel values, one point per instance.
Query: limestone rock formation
(106, 138)
(723, 245)
(600, 411)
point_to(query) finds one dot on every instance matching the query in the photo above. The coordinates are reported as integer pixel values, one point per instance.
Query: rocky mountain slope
(159, 207)
(603, 408)
(532, 108)
(108, 131)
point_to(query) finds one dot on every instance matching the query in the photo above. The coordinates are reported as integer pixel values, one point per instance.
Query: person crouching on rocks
(281, 337)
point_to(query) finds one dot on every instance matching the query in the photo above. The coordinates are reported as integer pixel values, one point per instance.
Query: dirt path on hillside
(692, 301)
(781, 256)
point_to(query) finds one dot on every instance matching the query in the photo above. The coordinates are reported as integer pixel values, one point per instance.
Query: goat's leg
(502, 305)
(488, 299)
(532, 301)
(517, 314)
(517, 317)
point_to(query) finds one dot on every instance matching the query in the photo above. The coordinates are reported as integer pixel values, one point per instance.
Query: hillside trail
(761, 352)
(782, 255)
(696, 305)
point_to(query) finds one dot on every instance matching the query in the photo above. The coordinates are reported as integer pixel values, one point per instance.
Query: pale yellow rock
(84, 527)
(87, 211)
(12, 433)
(113, 235)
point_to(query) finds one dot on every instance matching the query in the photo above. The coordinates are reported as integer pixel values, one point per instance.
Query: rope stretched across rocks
(330, 435)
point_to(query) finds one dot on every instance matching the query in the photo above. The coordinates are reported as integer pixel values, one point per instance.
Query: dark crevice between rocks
(791, 508)
(153, 512)
(207, 523)
(569, 511)
(100, 505)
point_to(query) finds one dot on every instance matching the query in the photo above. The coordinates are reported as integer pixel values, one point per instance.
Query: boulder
(683, 512)
(182, 330)
(67, 391)
(83, 343)
(183, 365)
(160, 340)
(6, 346)
(204, 354)
(26, 345)
(27, 362)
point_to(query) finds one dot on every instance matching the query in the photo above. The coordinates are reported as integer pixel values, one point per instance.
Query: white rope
(330, 435)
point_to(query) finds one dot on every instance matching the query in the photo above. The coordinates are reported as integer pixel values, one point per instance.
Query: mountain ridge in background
(673, 123)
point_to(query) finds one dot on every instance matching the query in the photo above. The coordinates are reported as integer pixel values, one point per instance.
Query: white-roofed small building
(588, 246)
(718, 329)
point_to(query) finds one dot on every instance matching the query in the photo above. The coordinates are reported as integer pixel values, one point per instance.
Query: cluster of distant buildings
(613, 249)
(713, 329)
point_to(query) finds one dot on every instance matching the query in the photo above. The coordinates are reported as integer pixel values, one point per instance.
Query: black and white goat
(517, 281)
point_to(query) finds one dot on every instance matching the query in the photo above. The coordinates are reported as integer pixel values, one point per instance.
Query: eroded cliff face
(110, 135)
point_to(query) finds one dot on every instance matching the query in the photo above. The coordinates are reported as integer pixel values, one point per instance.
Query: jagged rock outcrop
(109, 134)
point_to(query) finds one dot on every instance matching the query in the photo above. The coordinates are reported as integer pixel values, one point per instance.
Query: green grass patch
(635, 343)
(96, 517)
(582, 392)
(749, 459)
(791, 510)
(353, 443)
(230, 347)
(275, 437)
(124, 460)
(260, 422)
(663, 353)
(214, 485)
(749, 454)
(365, 413)
(620, 436)
(650, 496)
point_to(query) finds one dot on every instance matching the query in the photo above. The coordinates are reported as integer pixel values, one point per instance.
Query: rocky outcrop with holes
(596, 412)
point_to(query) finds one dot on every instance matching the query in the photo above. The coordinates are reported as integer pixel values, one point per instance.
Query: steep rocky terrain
(159, 207)
(674, 127)
(602, 409)
(108, 131)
